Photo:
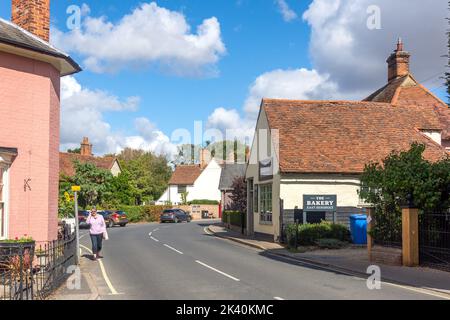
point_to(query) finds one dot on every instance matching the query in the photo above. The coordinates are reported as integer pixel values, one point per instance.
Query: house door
(3, 204)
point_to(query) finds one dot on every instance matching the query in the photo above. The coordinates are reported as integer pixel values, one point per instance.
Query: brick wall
(29, 109)
(196, 210)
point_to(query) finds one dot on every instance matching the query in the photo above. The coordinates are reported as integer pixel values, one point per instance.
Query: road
(183, 262)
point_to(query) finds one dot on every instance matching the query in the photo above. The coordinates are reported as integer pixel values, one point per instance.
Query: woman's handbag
(105, 235)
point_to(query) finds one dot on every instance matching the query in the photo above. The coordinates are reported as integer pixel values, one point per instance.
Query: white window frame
(5, 200)
(266, 217)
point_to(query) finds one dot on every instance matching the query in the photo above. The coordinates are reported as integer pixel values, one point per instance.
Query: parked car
(175, 216)
(82, 217)
(115, 218)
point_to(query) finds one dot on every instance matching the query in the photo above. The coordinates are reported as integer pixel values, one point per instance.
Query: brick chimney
(398, 62)
(86, 147)
(205, 158)
(33, 16)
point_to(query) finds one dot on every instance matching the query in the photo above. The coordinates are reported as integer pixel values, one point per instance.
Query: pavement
(189, 262)
(352, 260)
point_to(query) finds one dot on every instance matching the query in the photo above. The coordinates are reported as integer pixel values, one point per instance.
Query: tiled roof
(407, 91)
(343, 136)
(230, 171)
(185, 175)
(66, 162)
(13, 35)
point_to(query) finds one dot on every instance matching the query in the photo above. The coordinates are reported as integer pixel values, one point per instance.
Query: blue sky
(262, 42)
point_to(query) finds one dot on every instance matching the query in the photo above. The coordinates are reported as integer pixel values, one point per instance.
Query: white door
(3, 201)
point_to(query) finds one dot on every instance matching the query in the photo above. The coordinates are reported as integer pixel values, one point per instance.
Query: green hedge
(235, 218)
(149, 213)
(309, 234)
(204, 202)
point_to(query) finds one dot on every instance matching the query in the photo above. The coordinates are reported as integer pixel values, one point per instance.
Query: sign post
(75, 190)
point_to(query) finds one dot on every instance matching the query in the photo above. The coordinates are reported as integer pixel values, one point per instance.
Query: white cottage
(200, 182)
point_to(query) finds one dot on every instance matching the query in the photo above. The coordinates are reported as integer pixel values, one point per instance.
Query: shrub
(235, 218)
(150, 213)
(204, 202)
(309, 234)
(331, 244)
(134, 213)
(153, 213)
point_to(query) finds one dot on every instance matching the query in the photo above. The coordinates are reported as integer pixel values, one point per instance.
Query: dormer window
(434, 135)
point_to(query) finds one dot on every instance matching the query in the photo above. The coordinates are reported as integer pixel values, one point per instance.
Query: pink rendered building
(30, 71)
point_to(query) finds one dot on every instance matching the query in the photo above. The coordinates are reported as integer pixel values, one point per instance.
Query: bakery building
(307, 156)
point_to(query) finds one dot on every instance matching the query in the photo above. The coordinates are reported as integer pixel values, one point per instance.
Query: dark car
(82, 217)
(115, 218)
(175, 216)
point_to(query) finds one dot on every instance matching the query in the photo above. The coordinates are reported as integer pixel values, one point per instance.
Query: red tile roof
(407, 91)
(66, 162)
(343, 136)
(185, 175)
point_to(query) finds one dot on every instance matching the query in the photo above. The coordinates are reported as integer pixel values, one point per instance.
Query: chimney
(205, 158)
(86, 147)
(33, 16)
(398, 62)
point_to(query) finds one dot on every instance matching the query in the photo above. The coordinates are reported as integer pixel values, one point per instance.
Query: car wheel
(110, 224)
(123, 225)
(177, 221)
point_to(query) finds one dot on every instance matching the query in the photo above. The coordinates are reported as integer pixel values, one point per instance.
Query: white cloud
(287, 13)
(301, 84)
(343, 46)
(82, 115)
(150, 35)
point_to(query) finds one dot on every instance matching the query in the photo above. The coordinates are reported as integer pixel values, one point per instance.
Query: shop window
(265, 203)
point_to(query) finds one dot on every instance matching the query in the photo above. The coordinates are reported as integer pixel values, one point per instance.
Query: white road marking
(171, 248)
(154, 239)
(218, 271)
(206, 229)
(150, 234)
(278, 298)
(105, 275)
(156, 229)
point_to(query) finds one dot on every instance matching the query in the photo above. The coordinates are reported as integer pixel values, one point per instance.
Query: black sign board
(266, 170)
(319, 203)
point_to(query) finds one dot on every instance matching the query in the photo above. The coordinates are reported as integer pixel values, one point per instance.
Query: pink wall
(29, 121)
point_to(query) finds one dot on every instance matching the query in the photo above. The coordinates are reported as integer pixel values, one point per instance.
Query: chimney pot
(86, 147)
(33, 16)
(398, 62)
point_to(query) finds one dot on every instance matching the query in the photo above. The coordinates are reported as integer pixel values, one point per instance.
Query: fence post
(370, 212)
(305, 218)
(296, 235)
(410, 236)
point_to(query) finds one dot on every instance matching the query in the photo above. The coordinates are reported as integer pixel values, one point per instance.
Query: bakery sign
(319, 203)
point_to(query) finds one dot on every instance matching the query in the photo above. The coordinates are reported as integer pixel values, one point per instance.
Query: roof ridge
(327, 101)
(33, 36)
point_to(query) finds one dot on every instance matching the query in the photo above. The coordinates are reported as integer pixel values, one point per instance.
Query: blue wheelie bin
(358, 228)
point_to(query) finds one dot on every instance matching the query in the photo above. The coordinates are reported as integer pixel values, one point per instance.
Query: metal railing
(434, 239)
(32, 271)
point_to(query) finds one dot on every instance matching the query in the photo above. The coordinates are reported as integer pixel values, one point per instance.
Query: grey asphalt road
(183, 262)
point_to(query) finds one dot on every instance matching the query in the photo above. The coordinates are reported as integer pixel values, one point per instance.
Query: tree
(148, 173)
(76, 150)
(95, 183)
(239, 194)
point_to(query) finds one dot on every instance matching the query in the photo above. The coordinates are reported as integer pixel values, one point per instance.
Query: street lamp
(75, 190)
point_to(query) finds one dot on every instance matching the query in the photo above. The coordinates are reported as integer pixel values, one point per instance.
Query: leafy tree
(76, 150)
(148, 174)
(231, 150)
(239, 194)
(400, 178)
(122, 190)
(95, 183)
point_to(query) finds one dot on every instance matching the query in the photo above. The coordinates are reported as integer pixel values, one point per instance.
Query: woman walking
(97, 231)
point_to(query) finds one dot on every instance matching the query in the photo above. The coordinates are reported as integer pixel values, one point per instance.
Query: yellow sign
(76, 188)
